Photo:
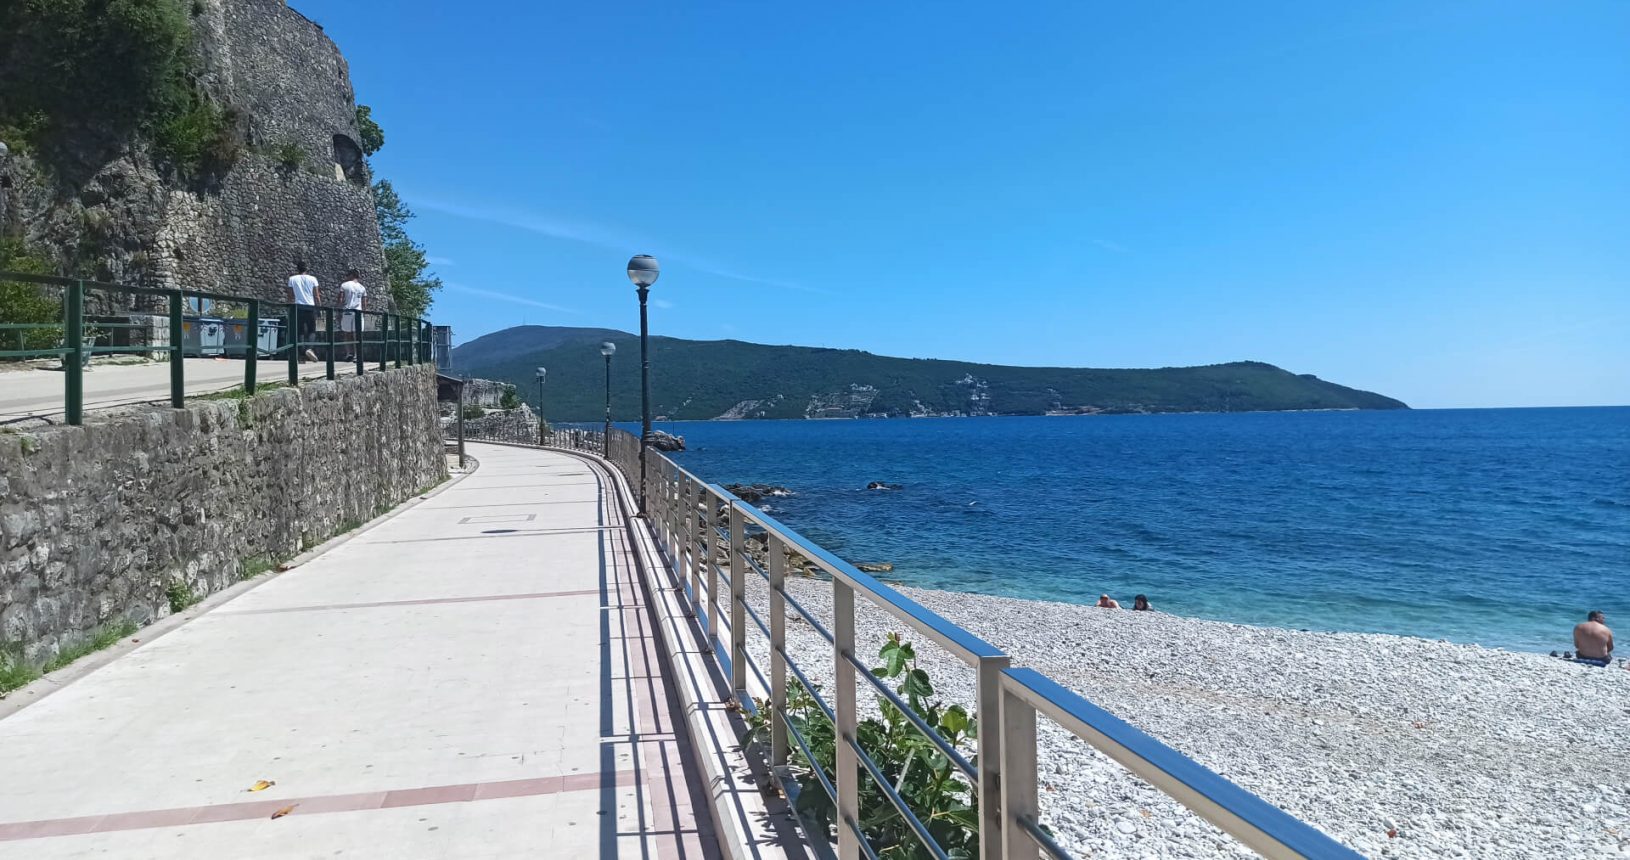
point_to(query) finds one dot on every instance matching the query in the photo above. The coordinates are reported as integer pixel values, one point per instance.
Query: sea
(1499, 527)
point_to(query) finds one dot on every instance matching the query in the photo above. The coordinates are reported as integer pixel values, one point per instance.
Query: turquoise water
(1500, 527)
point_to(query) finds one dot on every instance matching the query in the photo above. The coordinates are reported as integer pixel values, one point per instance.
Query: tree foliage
(370, 135)
(27, 303)
(411, 286)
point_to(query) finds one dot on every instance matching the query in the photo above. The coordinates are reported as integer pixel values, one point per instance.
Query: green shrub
(509, 399)
(931, 784)
(103, 637)
(289, 155)
(473, 412)
(14, 672)
(180, 595)
(201, 136)
(27, 303)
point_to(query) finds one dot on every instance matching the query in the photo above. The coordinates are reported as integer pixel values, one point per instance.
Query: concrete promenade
(474, 677)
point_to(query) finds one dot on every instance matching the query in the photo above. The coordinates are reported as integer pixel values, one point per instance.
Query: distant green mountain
(692, 379)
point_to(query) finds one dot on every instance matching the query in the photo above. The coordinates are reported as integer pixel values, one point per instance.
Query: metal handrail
(402, 340)
(1009, 699)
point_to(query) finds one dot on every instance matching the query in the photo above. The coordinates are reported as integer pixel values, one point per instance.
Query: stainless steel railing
(695, 522)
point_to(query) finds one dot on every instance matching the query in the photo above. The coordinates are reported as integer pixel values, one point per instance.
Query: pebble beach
(1397, 746)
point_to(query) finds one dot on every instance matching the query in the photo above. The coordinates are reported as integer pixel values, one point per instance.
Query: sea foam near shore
(1454, 750)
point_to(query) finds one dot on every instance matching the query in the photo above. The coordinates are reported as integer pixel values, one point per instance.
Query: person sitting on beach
(1593, 640)
(1107, 602)
(1141, 604)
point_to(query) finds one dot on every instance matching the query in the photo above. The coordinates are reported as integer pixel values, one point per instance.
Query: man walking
(304, 295)
(352, 293)
(1594, 641)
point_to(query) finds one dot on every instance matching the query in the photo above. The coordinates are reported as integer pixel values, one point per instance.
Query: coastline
(1458, 750)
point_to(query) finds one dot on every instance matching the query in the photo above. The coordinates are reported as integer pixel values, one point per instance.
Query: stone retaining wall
(98, 523)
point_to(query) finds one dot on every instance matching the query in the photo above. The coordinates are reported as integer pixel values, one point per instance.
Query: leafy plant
(14, 672)
(289, 155)
(102, 638)
(369, 134)
(509, 399)
(27, 303)
(473, 412)
(180, 595)
(932, 786)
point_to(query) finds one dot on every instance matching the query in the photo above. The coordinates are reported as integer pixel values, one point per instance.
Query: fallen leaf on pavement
(284, 811)
(262, 785)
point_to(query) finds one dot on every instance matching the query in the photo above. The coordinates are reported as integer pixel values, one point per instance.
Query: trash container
(203, 337)
(237, 336)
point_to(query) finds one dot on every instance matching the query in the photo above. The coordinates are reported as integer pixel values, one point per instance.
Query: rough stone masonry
(98, 522)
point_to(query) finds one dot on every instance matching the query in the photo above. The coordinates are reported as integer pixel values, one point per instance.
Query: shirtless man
(1107, 602)
(1593, 640)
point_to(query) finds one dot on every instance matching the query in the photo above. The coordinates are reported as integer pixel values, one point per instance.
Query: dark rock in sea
(752, 494)
(667, 441)
(882, 485)
(875, 567)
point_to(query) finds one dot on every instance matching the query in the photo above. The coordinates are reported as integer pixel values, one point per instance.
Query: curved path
(474, 677)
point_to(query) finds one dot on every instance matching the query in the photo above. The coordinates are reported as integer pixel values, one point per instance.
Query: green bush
(27, 303)
(180, 596)
(116, 66)
(473, 412)
(932, 786)
(509, 399)
(289, 155)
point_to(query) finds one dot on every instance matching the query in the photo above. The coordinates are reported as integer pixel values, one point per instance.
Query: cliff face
(298, 191)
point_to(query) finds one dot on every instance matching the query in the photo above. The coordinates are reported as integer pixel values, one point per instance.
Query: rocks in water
(752, 494)
(882, 485)
(875, 567)
(667, 441)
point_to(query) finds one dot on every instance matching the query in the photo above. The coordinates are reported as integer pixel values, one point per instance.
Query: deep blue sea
(1494, 526)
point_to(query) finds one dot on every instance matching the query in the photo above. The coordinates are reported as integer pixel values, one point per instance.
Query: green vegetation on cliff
(707, 379)
(111, 68)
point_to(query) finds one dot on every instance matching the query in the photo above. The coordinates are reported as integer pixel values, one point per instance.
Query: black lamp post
(643, 271)
(542, 372)
(607, 349)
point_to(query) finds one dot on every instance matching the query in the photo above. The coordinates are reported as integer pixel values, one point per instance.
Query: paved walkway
(475, 677)
(39, 393)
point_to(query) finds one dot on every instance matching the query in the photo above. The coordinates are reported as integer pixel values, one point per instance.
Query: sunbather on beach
(1593, 640)
(1141, 604)
(1107, 602)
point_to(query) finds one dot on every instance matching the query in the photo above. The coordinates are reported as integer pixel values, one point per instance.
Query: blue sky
(1431, 200)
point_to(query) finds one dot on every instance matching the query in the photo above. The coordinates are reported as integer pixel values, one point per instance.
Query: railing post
(711, 514)
(777, 550)
(843, 678)
(687, 544)
(990, 755)
(178, 378)
(694, 493)
(738, 601)
(294, 344)
(396, 340)
(251, 357)
(73, 364)
(356, 342)
(384, 355)
(328, 326)
(1018, 778)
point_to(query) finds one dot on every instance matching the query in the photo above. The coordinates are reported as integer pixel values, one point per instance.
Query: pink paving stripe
(316, 805)
(537, 595)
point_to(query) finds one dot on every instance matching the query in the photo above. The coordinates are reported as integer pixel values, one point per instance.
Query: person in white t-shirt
(352, 292)
(304, 295)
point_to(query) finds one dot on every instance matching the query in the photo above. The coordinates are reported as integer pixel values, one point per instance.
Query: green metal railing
(391, 339)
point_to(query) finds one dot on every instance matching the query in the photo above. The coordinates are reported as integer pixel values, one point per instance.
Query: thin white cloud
(595, 234)
(663, 304)
(508, 297)
(439, 261)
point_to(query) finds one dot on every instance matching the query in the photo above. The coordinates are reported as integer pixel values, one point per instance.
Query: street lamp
(542, 372)
(607, 349)
(643, 271)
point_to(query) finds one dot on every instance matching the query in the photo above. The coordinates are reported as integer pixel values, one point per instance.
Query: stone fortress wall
(242, 235)
(99, 523)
